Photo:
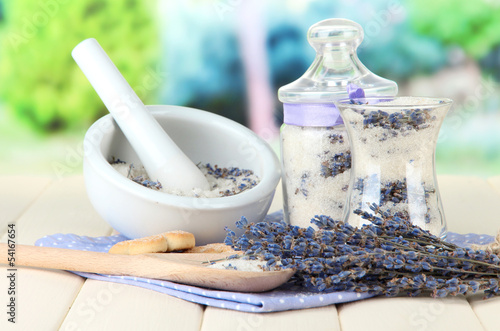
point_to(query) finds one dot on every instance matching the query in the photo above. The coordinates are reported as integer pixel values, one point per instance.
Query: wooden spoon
(185, 268)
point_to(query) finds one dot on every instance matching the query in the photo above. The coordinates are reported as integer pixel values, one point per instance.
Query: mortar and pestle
(138, 134)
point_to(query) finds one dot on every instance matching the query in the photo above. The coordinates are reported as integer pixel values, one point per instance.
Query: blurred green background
(230, 57)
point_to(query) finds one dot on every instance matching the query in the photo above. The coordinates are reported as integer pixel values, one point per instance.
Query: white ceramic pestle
(163, 160)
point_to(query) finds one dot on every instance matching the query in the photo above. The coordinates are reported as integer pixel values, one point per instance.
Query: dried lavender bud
(233, 174)
(394, 192)
(336, 165)
(116, 161)
(146, 182)
(303, 184)
(407, 119)
(336, 138)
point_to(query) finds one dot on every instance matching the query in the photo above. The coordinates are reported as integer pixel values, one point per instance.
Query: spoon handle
(142, 265)
(162, 158)
(69, 259)
(164, 266)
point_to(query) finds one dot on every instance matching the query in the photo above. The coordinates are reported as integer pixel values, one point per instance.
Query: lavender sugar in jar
(315, 149)
(393, 144)
(317, 163)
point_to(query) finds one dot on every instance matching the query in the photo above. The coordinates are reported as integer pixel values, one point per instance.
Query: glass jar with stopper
(315, 151)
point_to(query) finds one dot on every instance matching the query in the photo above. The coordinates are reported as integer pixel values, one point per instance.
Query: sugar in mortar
(393, 145)
(222, 181)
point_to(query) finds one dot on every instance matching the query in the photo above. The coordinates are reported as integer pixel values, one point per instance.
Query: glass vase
(393, 143)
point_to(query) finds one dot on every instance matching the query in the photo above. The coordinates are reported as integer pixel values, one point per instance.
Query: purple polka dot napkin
(286, 297)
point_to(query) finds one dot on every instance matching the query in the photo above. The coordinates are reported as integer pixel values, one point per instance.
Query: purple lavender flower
(387, 257)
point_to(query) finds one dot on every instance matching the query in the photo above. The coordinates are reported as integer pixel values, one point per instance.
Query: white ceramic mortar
(136, 211)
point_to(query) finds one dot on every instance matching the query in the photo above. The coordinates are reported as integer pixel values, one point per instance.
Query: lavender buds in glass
(388, 256)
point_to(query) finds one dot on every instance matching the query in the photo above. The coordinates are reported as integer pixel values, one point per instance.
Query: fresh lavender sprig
(386, 257)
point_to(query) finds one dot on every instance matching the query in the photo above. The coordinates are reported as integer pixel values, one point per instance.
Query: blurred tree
(391, 47)
(400, 54)
(40, 81)
(490, 64)
(472, 25)
(204, 66)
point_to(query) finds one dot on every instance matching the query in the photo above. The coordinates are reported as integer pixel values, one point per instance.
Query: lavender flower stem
(406, 248)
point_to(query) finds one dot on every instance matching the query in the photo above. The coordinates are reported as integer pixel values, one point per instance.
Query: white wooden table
(59, 300)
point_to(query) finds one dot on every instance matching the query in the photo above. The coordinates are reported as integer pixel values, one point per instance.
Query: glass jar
(317, 163)
(315, 150)
(393, 142)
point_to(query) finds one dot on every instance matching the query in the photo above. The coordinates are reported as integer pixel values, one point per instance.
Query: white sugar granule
(237, 182)
(307, 191)
(240, 265)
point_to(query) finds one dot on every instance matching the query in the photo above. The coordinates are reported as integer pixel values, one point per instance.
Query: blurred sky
(230, 57)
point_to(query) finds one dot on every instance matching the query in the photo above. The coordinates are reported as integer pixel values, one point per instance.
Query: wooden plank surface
(495, 183)
(110, 306)
(16, 194)
(62, 208)
(487, 311)
(317, 319)
(44, 296)
(51, 300)
(470, 204)
(402, 313)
